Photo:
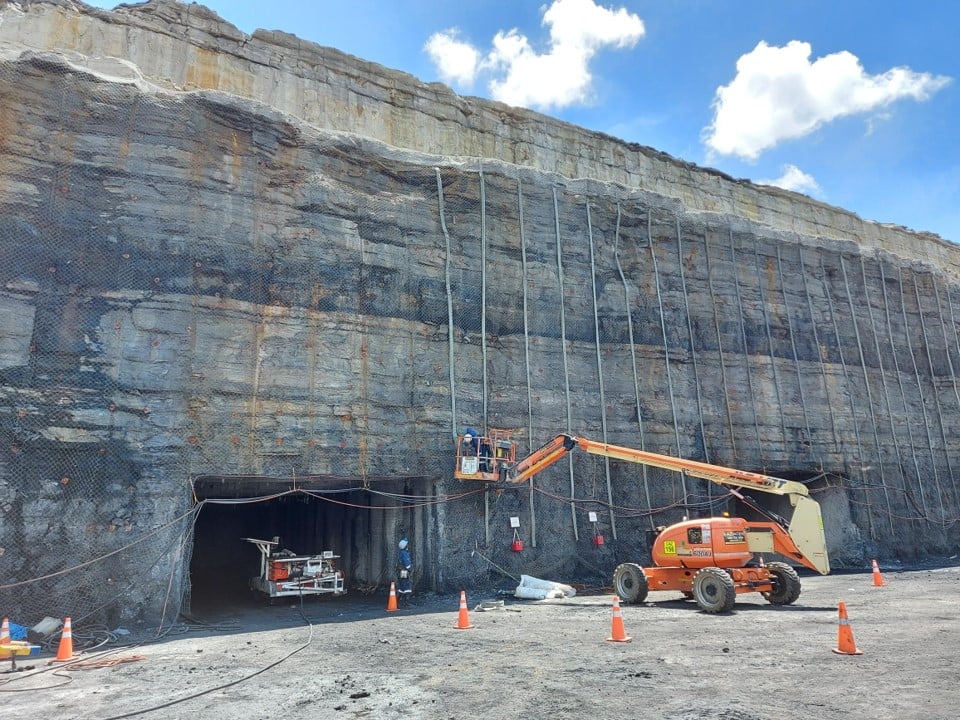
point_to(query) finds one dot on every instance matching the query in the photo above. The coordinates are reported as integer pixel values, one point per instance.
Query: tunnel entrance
(358, 524)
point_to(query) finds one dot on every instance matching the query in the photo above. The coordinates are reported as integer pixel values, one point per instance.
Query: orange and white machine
(709, 560)
(284, 573)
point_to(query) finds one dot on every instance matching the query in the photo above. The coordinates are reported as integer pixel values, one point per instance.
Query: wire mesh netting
(194, 285)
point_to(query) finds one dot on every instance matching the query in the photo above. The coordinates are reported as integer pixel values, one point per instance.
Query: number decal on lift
(669, 547)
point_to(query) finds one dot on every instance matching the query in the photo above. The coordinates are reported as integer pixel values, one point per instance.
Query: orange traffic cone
(877, 577)
(617, 633)
(463, 619)
(5, 632)
(65, 649)
(392, 601)
(845, 643)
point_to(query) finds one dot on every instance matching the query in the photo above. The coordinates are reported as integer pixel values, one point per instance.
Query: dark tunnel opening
(359, 528)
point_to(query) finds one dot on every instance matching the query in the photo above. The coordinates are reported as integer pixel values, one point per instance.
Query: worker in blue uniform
(476, 446)
(404, 571)
(471, 442)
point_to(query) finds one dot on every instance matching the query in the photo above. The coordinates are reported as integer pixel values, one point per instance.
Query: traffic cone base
(877, 577)
(617, 632)
(463, 618)
(845, 643)
(65, 649)
(392, 600)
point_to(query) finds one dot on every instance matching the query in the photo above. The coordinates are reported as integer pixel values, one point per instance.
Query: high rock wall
(185, 46)
(235, 257)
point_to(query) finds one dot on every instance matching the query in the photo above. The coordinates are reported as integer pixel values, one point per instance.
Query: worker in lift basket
(405, 571)
(474, 445)
(471, 442)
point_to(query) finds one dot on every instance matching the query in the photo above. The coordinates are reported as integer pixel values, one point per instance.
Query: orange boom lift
(709, 560)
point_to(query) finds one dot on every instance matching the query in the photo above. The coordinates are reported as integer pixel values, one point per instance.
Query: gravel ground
(349, 658)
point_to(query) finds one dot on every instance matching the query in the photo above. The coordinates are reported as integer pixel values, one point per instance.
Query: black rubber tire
(786, 584)
(630, 583)
(713, 590)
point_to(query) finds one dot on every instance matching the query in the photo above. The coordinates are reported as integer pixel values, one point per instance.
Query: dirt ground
(348, 657)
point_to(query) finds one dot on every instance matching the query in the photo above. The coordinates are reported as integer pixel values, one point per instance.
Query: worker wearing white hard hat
(404, 571)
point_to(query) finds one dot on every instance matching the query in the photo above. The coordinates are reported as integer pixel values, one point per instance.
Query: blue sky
(854, 103)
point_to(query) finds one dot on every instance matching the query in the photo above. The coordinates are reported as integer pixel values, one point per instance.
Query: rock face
(235, 266)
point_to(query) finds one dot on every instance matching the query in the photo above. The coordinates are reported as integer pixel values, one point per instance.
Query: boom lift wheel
(630, 583)
(713, 590)
(786, 584)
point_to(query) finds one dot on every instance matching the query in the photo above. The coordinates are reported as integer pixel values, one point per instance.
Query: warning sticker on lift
(733, 536)
(669, 547)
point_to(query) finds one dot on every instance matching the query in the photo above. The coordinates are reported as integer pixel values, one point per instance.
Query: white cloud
(779, 94)
(556, 78)
(455, 60)
(793, 178)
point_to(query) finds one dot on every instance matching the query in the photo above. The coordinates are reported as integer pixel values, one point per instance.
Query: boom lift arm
(800, 537)
(561, 445)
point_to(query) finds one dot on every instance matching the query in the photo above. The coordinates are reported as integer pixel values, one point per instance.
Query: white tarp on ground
(531, 588)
